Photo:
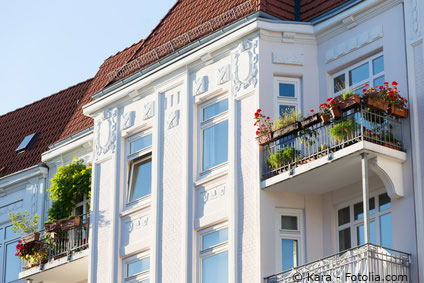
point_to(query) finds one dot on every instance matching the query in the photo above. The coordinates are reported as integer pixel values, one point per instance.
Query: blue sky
(49, 45)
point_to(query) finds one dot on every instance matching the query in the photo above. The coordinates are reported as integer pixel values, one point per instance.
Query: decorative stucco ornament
(127, 120)
(106, 132)
(149, 110)
(223, 74)
(200, 85)
(244, 64)
(173, 118)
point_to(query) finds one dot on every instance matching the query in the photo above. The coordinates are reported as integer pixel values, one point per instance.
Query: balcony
(368, 263)
(66, 259)
(315, 151)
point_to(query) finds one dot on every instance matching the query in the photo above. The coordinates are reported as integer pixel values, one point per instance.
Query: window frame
(211, 251)
(289, 234)
(288, 101)
(3, 249)
(353, 224)
(133, 159)
(206, 124)
(360, 84)
(144, 275)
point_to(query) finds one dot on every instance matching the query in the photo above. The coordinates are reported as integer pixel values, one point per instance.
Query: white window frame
(289, 101)
(145, 275)
(298, 235)
(353, 224)
(359, 85)
(3, 244)
(133, 159)
(203, 125)
(214, 250)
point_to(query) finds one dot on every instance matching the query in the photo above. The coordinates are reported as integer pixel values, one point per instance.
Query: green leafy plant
(342, 130)
(282, 157)
(347, 93)
(23, 223)
(308, 136)
(69, 184)
(31, 253)
(288, 118)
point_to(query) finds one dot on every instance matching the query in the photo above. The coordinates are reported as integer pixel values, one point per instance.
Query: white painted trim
(86, 139)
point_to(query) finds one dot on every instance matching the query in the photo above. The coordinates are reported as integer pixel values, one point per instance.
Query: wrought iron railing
(362, 263)
(321, 139)
(62, 243)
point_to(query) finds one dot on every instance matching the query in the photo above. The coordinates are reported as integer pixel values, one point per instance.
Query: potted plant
(263, 132)
(325, 112)
(334, 107)
(375, 99)
(32, 253)
(70, 223)
(311, 120)
(342, 130)
(52, 226)
(397, 103)
(286, 125)
(282, 158)
(23, 224)
(349, 100)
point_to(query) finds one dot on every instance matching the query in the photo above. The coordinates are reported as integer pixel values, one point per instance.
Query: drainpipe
(45, 171)
(365, 196)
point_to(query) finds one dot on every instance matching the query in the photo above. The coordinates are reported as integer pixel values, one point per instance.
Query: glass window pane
(386, 230)
(379, 81)
(339, 83)
(361, 234)
(286, 90)
(215, 238)
(215, 268)
(289, 222)
(344, 216)
(138, 266)
(12, 264)
(9, 233)
(145, 281)
(359, 74)
(289, 254)
(384, 201)
(140, 143)
(285, 109)
(141, 184)
(378, 65)
(215, 109)
(215, 145)
(344, 239)
(358, 209)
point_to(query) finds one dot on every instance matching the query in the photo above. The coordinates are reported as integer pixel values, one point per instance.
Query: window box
(264, 139)
(31, 238)
(377, 103)
(325, 117)
(52, 226)
(70, 223)
(335, 111)
(310, 121)
(350, 102)
(397, 111)
(287, 130)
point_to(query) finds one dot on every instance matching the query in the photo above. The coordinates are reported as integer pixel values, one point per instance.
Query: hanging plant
(71, 182)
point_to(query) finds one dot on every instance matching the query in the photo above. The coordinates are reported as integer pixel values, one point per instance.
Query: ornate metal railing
(366, 263)
(62, 243)
(322, 139)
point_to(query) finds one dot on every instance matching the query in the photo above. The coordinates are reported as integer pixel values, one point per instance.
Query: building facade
(181, 190)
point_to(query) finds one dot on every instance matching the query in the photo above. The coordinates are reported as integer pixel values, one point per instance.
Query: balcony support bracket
(390, 172)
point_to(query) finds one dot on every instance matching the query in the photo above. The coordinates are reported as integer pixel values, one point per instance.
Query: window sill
(211, 174)
(138, 205)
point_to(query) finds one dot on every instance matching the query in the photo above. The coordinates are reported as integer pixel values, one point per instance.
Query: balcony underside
(341, 168)
(64, 270)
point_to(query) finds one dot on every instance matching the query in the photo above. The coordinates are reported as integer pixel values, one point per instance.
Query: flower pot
(52, 226)
(70, 223)
(336, 112)
(350, 102)
(285, 131)
(325, 117)
(31, 238)
(397, 111)
(376, 103)
(264, 139)
(310, 121)
(392, 145)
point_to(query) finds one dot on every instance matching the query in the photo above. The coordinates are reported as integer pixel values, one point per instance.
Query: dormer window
(26, 143)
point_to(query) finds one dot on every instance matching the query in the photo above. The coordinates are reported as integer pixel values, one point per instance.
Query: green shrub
(22, 223)
(282, 157)
(342, 130)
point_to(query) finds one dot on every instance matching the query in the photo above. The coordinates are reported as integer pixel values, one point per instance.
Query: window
(287, 95)
(136, 268)
(10, 265)
(140, 167)
(214, 129)
(351, 223)
(289, 223)
(214, 255)
(369, 71)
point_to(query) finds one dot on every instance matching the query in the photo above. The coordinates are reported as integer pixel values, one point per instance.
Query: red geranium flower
(394, 83)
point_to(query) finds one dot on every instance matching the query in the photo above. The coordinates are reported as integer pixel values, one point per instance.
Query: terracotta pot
(392, 145)
(52, 226)
(325, 117)
(264, 139)
(336, 112)
(70, 223)
(376, 103)
(350, 102)
(310, 121)
(31, 238)
(285, 131)
(397, 111)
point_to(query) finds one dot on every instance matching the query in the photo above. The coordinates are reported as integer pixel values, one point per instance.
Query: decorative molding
(390, 173)
(287, 58)
(11, 207)
(213, 193)
(414, 20)
(349, 22)
(223, 74)
(354, 43)
(288, 37)
(149, 110)
(200, 85)
(106, 132)
(138, 223)
(173, 118)
(244, 66)
(127, 120)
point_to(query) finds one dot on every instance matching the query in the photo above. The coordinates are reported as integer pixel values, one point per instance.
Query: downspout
(297, 10)
(45, 171)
